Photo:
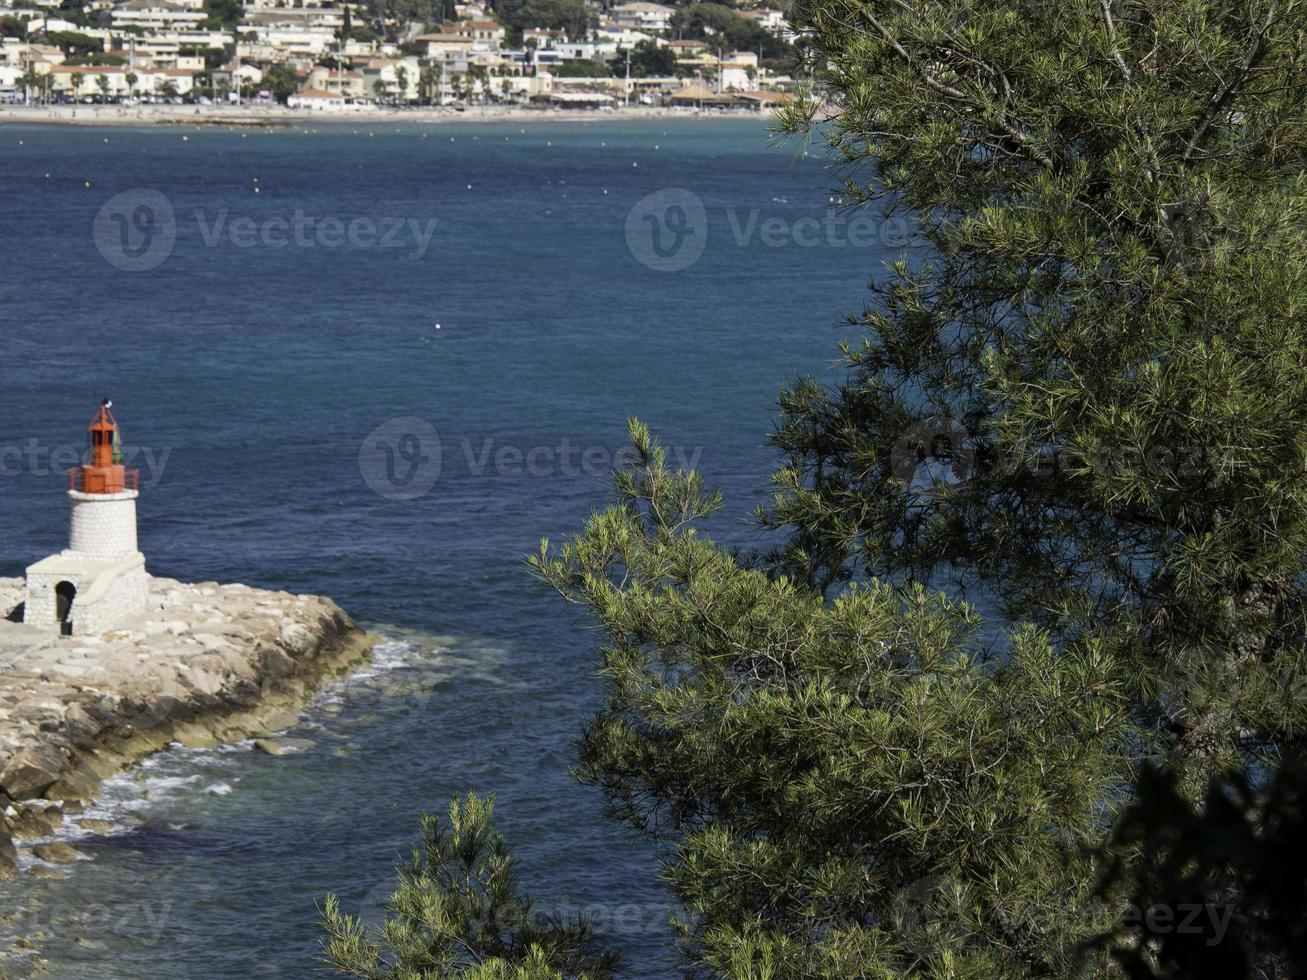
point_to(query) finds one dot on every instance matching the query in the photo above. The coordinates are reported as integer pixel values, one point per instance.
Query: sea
(381, 362)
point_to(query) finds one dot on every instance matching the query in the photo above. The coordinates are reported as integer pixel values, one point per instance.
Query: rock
(203, 664)
(94, 826)
(51, 874)
(29, 825)
(8, 868)
(31, 772)
(78, 784)
(283, 746)
(8, 853)
(58, 852)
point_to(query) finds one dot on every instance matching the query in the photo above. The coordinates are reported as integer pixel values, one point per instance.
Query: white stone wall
(124, 597)
(103, 525)
(39, 603)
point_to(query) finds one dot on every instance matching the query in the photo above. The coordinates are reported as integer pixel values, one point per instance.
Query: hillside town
(331, 56)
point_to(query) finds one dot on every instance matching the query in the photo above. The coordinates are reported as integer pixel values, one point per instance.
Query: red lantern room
(105, 472)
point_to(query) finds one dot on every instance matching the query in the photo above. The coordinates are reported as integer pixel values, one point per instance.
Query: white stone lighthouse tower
(99, 579)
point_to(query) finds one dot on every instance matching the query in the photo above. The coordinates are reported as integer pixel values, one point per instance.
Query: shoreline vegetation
(283, 117)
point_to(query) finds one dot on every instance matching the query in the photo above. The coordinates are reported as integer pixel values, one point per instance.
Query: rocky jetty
(203, 664)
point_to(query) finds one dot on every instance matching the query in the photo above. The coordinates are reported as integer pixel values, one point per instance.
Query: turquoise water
(300, 423)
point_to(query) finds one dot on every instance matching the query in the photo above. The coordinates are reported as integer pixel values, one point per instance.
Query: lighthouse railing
(131, 480)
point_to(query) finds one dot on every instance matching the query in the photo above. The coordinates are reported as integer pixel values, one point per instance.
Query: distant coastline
(281, 116)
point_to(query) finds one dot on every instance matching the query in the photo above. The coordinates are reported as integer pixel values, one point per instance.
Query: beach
(282, 116)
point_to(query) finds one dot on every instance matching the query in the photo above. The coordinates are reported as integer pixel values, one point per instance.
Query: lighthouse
(99, 579)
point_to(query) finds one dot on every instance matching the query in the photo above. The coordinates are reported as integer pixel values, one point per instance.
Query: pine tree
(1080, 397)
(1099, 330)
(458, 912)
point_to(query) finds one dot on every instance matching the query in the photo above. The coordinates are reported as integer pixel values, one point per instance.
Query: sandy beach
(278, 115)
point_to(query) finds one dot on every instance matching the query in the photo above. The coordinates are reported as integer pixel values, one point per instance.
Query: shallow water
(259, 384)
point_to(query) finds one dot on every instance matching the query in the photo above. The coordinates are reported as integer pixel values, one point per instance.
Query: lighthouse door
(64, 594)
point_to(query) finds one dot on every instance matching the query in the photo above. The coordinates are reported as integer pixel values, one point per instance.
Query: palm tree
(401, 80)
(30, 81)
(431, 80)
(132, 78)
(102, 80)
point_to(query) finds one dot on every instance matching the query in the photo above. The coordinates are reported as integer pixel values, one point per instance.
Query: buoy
(635, 165)
(88, 183)
(186, 139)
(605, 192)
(469, 186)
(106, 139)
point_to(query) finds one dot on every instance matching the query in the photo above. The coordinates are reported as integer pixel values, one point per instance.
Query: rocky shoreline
(205, 664)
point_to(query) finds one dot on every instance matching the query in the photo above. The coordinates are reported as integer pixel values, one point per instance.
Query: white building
(643, 16)
(156, 15)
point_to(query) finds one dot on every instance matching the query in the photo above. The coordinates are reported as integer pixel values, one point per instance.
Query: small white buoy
(437, 326)
(469, 186)
(88, 183)
(605, 192)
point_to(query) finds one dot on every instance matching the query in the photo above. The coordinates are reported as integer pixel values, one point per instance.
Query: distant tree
(580, 68)
(724, 27)
(132, 78)
(648, 60)
(100, 58)
(223, 14)
(71, 43)
(102, 82)
(281, 82)
(31, 83)
(458, 913)
(401, 83)
(429, 82)
(573, 16)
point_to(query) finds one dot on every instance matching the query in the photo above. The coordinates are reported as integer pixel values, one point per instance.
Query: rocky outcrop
(204, 664)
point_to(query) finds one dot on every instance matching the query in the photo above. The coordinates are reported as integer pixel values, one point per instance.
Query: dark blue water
(258, 378)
